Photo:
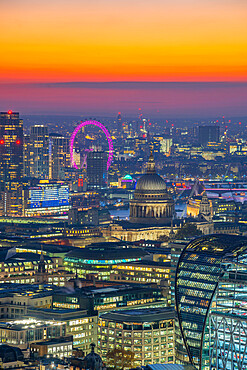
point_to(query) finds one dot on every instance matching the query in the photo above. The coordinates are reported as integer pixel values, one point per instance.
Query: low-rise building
(23, 332)
(200, 205)
(56, 347)
(11, 357)
(79, 323)
(98, 258)
(131, 232)
(22, 268)
(109, 297)
(149, 333)
(141, 272)
(15, 299)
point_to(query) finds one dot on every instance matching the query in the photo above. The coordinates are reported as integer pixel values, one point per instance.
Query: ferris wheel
(107, 134)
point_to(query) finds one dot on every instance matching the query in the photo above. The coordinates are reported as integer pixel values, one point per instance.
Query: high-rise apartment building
(59, 156)
(96, 170)
(39, 151)
(11, 162)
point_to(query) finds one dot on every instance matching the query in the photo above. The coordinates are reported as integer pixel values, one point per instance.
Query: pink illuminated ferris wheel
(107, 134)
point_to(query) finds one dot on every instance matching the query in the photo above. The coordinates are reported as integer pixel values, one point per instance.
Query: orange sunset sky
(117, 40)
(54, 41)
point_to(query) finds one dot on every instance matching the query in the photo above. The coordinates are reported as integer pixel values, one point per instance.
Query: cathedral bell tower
(42, 274)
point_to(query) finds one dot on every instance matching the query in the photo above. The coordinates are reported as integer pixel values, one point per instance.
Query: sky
(98, 41)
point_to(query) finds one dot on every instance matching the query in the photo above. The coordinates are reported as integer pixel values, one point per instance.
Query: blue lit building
(47, 199)
(211, 301)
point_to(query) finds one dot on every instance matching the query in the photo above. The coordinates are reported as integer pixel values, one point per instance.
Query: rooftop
(32, 291)
(29, 323)
(107, 252)
(52, 341)
(140, 315)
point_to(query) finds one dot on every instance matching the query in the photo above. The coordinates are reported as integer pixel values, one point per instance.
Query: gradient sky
(118, 40)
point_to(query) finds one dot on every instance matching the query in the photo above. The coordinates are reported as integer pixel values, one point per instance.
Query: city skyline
(123, 184)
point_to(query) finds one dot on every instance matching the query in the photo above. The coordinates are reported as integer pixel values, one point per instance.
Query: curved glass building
(211, 301)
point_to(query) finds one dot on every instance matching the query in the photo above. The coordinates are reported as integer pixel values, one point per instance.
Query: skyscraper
(119, 120)
(39, 151)
(210, 292)
(96, 170)
(11, 147)
(209, 134)
(11, 162)
(59, 156)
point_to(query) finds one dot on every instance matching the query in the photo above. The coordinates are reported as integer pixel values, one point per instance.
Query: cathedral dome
(151, 182)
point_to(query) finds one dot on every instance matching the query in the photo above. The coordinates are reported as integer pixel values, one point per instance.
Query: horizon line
(121, 82)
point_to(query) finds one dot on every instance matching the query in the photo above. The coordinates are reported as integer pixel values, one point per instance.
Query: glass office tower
(11, 163)
(39, 152)
(211, 301)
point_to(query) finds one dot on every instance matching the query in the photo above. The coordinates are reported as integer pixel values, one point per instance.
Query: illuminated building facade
(96, 170)
(58, 347)
(211, 291)
(143, 272)
(17, 299)
(39, 152)
(149, 333)
(98, 258)
(80, 324)
(165, 145)
(134, 232)
(200, 205)
(126, 182)
(11, 163)
(59, 156)
(22, 268)
(47, 199)
(11, 147)
(84, 331)
(22, 333)
(114, 297)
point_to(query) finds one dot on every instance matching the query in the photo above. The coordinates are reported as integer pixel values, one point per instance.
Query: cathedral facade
(152, 204)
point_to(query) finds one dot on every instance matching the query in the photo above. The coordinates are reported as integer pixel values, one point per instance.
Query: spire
(41, 274)
(41, 265)
(151, 164)
(172, 234)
